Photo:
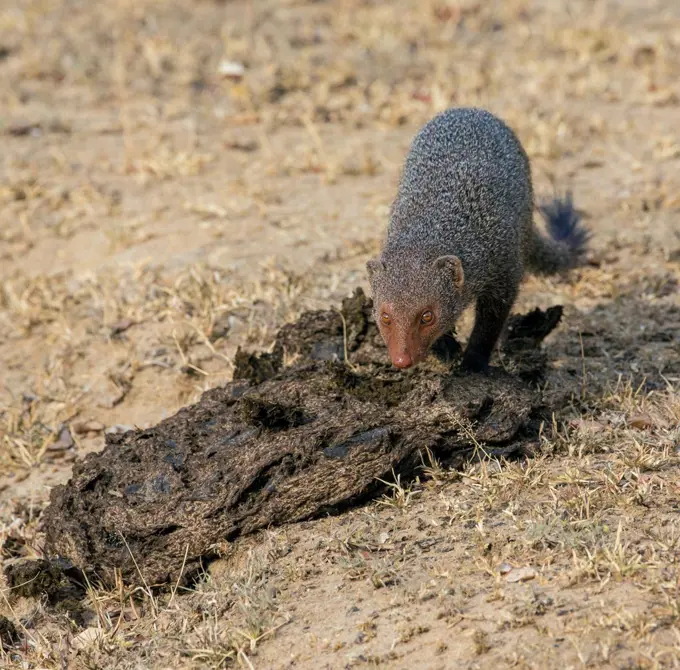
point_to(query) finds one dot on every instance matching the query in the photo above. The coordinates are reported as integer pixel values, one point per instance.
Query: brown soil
(159, 213)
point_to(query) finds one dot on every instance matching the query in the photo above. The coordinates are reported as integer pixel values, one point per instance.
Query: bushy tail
(566, 244)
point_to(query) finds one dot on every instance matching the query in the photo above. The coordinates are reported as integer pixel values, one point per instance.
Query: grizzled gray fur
(461, 230)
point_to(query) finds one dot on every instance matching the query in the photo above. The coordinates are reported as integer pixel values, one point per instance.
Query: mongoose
(461, 230)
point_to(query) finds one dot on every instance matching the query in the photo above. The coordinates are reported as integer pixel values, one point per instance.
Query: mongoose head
(417, 298)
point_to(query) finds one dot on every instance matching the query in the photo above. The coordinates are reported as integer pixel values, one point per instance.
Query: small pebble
(86, 638)
(587, 426)
(521, 574)
(64, 442)
(119, 428)
(83, 427)
(230, 69)
(504, 568)
(640, 421)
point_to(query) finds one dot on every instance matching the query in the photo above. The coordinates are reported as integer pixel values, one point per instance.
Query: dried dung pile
(286, 442)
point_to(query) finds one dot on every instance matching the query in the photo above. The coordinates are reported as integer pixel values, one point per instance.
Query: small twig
(185, 360)
(255, 640)
(208, 343)
(323, 156)
(141, 576)
(179, 577)
(179, 348)
(344, 340)
(583, 367)
(242, 656)
(16, 618)
(95, 601)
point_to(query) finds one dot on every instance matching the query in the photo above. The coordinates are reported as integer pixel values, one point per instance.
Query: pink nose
(402, 361)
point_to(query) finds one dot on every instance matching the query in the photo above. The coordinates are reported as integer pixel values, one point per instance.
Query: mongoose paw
(446, 349)
(475, 362)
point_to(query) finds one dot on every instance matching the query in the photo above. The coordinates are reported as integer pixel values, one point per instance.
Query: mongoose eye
(427, 317)
(385, 318)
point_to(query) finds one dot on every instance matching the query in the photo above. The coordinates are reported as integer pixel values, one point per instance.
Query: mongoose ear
(454, 266)
(373, 266)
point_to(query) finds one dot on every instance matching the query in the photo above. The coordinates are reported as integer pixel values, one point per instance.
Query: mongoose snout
(408, 335)
(411, 326)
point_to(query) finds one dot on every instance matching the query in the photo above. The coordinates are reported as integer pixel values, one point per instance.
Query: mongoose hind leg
(491, 312)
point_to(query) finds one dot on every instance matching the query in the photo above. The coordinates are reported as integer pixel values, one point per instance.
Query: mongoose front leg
(490, 316)
(446, 348)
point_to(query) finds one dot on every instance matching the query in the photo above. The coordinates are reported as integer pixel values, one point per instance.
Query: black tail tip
(564, 223)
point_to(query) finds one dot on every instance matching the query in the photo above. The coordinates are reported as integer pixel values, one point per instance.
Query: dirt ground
(181, 178)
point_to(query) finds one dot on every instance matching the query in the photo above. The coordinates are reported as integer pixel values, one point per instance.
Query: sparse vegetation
(159, 208)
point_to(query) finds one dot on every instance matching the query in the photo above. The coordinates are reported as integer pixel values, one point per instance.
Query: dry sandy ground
(157, 213)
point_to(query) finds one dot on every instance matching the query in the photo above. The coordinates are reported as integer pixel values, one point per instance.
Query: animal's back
(468, 134)
(465, 189)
